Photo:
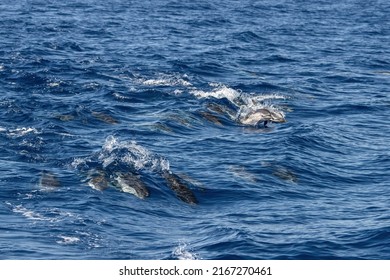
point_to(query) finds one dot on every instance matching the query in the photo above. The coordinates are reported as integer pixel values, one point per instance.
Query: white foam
(119, 96)
(91, 85)
(54, 84)
(166, 80)
(107, 160)
(136, 155)
(35, 144)
(28, 213)
(124, 152)
(67, 240)
(21, 131)
(51, 215)
(219, 92)
(29, 196)
(77, 162)
(1, 68)
(181, 252)
(263, 97)
(236, 97)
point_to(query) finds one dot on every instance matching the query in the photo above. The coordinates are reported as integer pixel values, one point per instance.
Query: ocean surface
(159, 87)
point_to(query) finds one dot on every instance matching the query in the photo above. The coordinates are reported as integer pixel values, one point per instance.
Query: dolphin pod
(131, 183)
(125, 182)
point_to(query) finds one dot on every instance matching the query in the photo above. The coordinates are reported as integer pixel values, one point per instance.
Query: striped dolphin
(262, 115)
(131, 183)
(177, 185)
(98, 181)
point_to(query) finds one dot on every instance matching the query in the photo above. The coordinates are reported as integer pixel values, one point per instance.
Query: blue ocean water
(160, 86)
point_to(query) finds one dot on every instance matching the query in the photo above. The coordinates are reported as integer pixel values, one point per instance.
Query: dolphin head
(258, 116)
(276, 116)
(141, 191)
(98, 180)
(131, 183)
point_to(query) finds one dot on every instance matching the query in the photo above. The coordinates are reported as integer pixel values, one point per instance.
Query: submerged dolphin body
(48, 181)
(177, 185)
(131, 183)
(210, 117)
(104, 118)
(262, 115)
(285, 174)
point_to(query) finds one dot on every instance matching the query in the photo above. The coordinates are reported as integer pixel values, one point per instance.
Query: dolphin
(210, 117)
(176, 184)
(98, 181)
(262, 115)
(48, 181)
(104, 118)
(131, 183)
(242, 172)
(65, 117)
(285, 174)
(221, 109)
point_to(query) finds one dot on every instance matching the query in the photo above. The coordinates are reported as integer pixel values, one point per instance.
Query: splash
(167, 80)
(50, 215)
(123, 154)
(219, 92)
(181, 252)
(237, 97)
(79, 163)
(21, 131)
(67, 240)
(54, 84)
(244, 103)
(29, 214)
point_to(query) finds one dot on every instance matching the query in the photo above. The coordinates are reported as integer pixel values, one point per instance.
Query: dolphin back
(131, 183)
(181, 190)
